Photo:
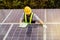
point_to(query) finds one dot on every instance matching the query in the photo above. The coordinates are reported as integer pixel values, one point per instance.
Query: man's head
(27, 10)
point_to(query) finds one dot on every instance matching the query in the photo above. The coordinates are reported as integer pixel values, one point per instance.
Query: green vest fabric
(30, 19)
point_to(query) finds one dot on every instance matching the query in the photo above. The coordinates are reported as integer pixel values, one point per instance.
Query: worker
(28, 15)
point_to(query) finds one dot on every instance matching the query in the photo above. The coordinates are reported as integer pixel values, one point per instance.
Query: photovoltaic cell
(14, 17)
(53, 16)
(53, 32)
(3, 30)
(31, 32)
(3, 14)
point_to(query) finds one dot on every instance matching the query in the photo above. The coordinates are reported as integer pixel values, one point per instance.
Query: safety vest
(30, 19)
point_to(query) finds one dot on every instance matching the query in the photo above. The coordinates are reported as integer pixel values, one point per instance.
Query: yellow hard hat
(27, 10)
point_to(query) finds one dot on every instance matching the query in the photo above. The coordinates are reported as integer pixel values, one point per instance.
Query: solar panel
(28, 33)
(53, 16)
(3, 30)
(53, 32)
(10, 30)
(3, 14)
(16, 15)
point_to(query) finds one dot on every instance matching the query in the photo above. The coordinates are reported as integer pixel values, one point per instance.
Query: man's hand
(44, 26)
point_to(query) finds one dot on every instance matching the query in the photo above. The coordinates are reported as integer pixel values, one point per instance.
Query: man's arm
(40, 21)
(21, 18)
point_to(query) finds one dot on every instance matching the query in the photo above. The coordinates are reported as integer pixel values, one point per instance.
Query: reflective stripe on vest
(30, 18)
